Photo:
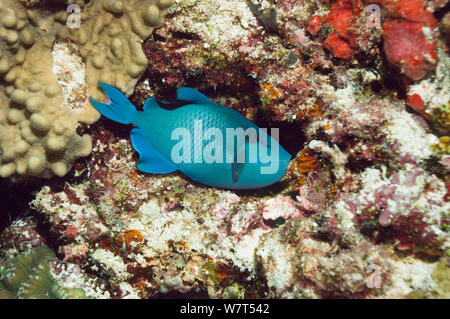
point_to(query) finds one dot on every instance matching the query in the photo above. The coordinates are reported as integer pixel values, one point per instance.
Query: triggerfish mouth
(210, 143)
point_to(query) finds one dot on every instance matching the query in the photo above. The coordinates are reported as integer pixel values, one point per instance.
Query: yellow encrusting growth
(48, 70)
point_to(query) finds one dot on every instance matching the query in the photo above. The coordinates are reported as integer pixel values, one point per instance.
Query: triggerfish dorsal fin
(191, 95)
(174, 104)
(150, 161)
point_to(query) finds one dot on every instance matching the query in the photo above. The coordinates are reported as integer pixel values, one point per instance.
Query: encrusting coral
(50, 62)
(28, 276)
(363, 210)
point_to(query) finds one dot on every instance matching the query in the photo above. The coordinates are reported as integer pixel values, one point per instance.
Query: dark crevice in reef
(14, 201)
(440, 13)
(43, 228)
(358, 165)
(393, 82)
(157, 37)
(121, 131)
(435, 166)
(178, 35)
(14, 204)
(368, 61)
(268, 17)
(379, 235)
(275, 223)
(270, 190)
(53, 5)
(246, 87)
(376, 86)
(391, 78)
(292, 137)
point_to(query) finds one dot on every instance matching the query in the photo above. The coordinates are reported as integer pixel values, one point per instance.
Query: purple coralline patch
(313, 195)
(22, 235)
(411, 203)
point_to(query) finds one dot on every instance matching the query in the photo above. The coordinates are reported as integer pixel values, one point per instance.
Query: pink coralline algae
(239, 218)
(407, 47)
(315, 24)
(406, 43)
(313, 195)
(223, 208)
(21, 236)
(74, 253)
(410, 10)
(415, 101)
(411, 203)
(281, 207)
(342, 18)
(339, 47)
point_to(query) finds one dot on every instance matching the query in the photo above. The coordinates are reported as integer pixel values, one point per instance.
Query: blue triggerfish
(208, 142)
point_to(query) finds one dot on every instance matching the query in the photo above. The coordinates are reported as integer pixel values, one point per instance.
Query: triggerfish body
(209, 143)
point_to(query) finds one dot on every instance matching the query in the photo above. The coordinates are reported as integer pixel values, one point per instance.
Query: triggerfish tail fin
(150, 161)
(118, 109)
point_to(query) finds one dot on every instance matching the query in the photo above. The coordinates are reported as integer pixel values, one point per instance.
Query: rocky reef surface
(360, 92)
(53, 54)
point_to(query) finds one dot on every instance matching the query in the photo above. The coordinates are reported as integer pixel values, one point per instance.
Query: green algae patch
(28, 276)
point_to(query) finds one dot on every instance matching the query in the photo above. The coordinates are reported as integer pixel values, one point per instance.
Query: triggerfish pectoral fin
(238, 163)
(236, 169)
(150, 161)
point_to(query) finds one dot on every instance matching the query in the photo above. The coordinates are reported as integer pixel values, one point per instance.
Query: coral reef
(31, 269)
(20, 236)
(157, 234)
(411, 203)
(409, 38)
(28, 276)
(407, 47)
(363, 211)
(51, 61)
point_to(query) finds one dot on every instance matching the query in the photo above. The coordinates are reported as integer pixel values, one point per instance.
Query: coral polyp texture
(52, 57)
(28, 276)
